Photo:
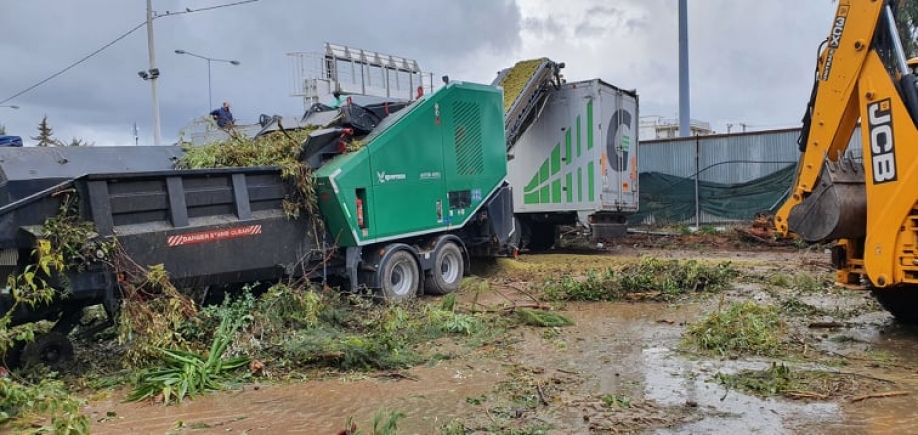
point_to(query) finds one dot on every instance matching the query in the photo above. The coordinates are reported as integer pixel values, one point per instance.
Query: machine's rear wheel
(399, 276)
(901, 302)
(449, 267)
(53, 349)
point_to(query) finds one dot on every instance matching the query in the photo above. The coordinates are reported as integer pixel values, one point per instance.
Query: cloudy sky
(750, 61)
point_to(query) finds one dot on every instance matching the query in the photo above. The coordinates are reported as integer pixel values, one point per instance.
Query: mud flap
(836, 208)
(501, 224)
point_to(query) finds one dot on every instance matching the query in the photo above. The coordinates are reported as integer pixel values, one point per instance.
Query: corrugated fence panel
(722, 158)
(727, 159)
(674, 157)
(737, 159)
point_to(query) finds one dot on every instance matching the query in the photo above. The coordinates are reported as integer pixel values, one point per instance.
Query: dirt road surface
(622, 368)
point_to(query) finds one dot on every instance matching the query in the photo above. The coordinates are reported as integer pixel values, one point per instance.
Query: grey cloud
(543, 27)
(589, 30)
(603, 10)
(752, 68)
(43, 36)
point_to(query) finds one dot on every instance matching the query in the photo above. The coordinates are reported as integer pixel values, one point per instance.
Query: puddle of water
(624, 349)
(893, 414)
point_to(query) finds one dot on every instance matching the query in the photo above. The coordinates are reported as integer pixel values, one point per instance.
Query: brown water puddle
(895, 414)
(623, 350)
(627, 350)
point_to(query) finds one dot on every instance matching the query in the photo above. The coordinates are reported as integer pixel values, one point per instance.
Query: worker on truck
(223, 116)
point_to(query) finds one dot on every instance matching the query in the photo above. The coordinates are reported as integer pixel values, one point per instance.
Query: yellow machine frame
(855, 82)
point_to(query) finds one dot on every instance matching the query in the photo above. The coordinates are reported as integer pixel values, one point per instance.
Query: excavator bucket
(836, 208)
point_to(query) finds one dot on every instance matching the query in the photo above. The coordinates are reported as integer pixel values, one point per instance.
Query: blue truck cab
(10, 141)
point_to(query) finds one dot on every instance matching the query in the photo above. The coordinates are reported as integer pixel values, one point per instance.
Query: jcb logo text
(882, 146)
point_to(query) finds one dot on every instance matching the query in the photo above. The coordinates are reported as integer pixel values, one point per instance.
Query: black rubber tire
(13, 357)
(542, 236)
(399, 276)
(901, 302)
(52, 349)
(448, 270)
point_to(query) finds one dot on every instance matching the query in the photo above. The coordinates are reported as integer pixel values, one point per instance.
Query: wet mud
(620, 369)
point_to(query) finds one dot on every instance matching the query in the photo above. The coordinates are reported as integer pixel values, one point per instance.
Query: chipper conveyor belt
(525, 90)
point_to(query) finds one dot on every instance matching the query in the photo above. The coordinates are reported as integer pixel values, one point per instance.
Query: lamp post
(210, 101)
(152, 74)
(12, 107)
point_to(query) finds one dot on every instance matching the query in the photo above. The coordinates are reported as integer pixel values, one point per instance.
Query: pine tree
(80, 143)
(45, 136)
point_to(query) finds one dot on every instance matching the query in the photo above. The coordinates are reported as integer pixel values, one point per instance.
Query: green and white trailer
(575, 162)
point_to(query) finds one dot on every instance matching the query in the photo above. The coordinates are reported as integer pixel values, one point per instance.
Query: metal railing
(354, 71)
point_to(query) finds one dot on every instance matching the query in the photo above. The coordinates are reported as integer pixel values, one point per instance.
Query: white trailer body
(577, 161)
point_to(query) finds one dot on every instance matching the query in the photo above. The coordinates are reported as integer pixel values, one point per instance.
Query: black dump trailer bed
(206, 227)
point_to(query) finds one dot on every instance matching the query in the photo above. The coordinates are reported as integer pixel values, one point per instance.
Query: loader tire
(52, 349)
(901, 302)
(447, 272)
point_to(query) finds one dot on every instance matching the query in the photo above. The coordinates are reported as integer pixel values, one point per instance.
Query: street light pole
(156, 131)
(210, 100)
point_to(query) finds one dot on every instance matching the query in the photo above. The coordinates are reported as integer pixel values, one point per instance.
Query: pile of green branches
(742, 328)
(22, 405)
(649, 279)
(187, 374)
(281, 149)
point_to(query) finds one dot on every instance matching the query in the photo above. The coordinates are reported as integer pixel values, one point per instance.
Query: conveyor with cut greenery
(524, 87)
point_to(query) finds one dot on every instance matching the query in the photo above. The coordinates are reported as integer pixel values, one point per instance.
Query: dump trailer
(572, 149)
(401, 216)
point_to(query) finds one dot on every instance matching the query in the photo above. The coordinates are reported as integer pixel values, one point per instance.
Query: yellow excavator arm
(867, 204)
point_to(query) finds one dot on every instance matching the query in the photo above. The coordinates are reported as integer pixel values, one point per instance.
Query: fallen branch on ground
(805, 395)
(541, 394)
(878, 395)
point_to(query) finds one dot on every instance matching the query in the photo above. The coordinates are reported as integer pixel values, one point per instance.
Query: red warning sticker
(213, 235)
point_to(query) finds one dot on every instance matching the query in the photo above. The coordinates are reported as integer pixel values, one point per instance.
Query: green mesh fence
(671, 199)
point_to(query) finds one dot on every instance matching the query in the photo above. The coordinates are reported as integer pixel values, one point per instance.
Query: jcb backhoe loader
(867, 205)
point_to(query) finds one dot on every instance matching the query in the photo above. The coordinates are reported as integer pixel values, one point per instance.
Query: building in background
(657, 127)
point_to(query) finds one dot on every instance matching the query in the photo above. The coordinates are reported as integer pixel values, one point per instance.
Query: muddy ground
(622, 368)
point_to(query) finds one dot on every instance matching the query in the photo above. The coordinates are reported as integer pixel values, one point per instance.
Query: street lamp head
(234, 62)
(179, 51)
(14, 107)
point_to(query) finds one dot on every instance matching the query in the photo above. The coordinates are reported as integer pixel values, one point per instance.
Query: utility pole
(743, 124)
(684, 116)
(156, 131)
(729, 126)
